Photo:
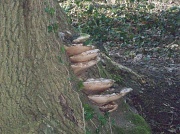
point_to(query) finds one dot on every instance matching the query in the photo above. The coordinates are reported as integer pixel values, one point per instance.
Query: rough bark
(36, 95)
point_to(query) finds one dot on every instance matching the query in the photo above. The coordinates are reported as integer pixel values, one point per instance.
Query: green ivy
(88, 112)
(51, 10)
(53, 27)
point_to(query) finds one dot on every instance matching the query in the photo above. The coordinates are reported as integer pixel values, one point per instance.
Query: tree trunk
(36, 94)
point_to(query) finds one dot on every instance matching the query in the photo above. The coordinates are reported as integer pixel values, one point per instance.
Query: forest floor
(146, 38)
(157, 100)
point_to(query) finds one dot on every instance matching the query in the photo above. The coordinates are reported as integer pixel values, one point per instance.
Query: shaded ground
(158, 101)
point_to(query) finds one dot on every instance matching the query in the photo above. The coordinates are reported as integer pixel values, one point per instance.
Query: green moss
(139, 130)
(117, 78)
(138, 120)
(118, 130)
(134, 130)
(141, 126)
(102, 72)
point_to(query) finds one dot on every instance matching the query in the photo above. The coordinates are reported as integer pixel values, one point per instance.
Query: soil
(158, 99)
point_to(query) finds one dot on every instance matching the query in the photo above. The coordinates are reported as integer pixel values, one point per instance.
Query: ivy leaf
(132, 1)
(88, 115)
(62, 49)
(50, 28)
(151, 6)
(97, 130)
(46, 9)
(55, 27)
(88, 112)
(51, 11)
(80, 85)
(60, 60)
(102, 120)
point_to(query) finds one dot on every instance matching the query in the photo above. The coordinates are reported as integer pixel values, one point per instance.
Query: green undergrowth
(134, 24)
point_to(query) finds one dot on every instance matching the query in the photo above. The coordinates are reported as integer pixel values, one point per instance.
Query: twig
(110, 125)
(93, 123)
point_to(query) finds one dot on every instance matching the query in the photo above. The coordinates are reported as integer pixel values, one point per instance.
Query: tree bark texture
(36, 94)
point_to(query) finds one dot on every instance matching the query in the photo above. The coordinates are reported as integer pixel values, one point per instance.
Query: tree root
(110, 64)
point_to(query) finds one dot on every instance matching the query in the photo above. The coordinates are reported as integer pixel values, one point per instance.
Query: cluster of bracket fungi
(84, 57)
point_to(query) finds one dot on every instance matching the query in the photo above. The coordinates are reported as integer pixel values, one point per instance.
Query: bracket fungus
(85, 56)
(104, 99)
(77, 49)
(82, 38)
(97, 85)
(110, 107)
(81, 67)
